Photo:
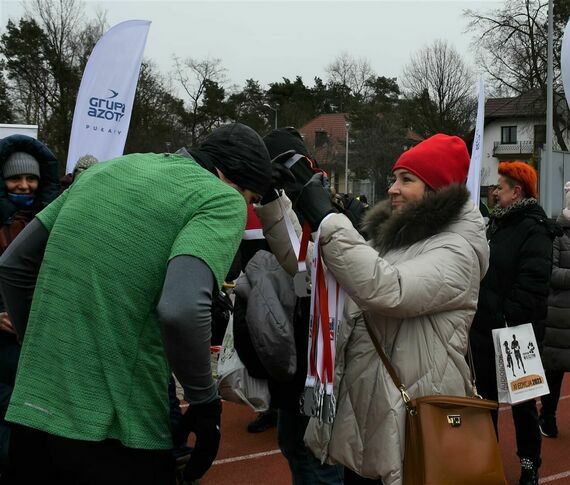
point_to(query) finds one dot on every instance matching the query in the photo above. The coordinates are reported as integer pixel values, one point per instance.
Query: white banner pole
(106, 94)
(474, 177)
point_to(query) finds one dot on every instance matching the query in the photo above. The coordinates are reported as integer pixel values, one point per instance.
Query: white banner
(565, 62)
(105, 100)
(474, 177)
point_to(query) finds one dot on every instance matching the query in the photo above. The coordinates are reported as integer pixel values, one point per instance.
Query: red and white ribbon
(327, 305)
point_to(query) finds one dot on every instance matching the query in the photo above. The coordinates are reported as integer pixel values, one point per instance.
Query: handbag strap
(389, 367)
(401, 387)
(472, 369)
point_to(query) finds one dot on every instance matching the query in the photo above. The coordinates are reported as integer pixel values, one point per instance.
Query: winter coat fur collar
(419, 221)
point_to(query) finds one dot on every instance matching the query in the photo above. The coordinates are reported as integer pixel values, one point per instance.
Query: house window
(539, 134)
(321, 138)
(508, 135)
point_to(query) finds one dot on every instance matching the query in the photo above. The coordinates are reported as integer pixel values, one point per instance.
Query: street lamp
(274, 109)
(346, 160)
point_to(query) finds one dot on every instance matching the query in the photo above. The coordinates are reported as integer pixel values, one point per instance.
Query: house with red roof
(326, 138)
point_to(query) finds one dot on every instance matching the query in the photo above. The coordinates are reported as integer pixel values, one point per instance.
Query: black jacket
(515, 288)
(556, 349)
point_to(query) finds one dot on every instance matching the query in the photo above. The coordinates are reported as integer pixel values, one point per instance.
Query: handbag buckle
(454, 420)
(406, 397)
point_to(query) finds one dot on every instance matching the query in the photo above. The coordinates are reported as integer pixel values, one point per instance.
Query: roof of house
(334, 124)
(530, 104)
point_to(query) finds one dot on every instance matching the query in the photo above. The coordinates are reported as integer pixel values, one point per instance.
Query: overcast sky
(267, 40)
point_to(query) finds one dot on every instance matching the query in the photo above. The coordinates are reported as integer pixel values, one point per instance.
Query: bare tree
(511, 46)
(45, 55)
(198, 79)
(157, 114)
(61, 21)
(351, 73)
(441, 88)
(6, 115)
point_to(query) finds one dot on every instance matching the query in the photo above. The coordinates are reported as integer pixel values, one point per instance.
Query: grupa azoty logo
(107, 108)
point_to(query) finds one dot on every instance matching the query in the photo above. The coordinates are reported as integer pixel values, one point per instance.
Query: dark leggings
(550, 401)
(525, 414)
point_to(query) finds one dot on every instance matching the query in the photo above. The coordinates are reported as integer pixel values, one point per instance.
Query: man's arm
(184, 311)
(19, 268)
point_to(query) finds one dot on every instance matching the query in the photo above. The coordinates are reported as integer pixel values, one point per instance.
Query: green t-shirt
(92, 365)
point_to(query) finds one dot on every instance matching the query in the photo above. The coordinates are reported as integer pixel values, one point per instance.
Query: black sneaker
(547, 425)
(529, 472)
(263, 422)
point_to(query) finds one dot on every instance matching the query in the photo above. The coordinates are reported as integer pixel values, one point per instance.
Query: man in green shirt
(130, 256)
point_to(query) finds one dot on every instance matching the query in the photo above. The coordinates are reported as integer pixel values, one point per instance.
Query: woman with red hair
(514, 291)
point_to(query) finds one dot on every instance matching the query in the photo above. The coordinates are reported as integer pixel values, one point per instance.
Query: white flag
(565, 62)
(105, 100)
(474, 177)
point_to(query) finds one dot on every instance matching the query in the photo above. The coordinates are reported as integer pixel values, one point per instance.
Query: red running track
(254, 459)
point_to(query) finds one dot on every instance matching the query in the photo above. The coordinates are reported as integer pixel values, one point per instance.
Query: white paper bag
(520, 375)
(234, 382)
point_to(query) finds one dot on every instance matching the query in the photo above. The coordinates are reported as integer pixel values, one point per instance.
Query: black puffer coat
(515, 289)
(556, 350)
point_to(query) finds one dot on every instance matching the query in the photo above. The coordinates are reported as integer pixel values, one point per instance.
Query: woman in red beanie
(514, 291)
(415, 282)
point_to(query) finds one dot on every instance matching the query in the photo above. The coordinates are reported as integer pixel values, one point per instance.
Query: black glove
(280, 176)
(204, 421)
(314, 201)
(355, 211)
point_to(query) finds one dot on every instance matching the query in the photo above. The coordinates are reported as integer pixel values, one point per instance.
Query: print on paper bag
(520, 374)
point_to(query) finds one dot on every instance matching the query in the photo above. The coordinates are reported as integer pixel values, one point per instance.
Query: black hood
(285, 139)
(240, 154)
(48, 188)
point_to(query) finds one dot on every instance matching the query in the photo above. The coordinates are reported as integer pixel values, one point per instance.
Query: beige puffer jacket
(417, 283)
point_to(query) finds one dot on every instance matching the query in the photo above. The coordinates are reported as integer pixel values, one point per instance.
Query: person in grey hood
(28, 183)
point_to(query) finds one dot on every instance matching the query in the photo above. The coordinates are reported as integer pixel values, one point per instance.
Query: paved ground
(254, 459)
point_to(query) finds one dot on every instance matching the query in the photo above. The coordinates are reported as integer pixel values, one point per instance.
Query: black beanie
(240, 154)
(284, 139)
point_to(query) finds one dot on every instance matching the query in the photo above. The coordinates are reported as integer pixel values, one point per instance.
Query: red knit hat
(522, 173)
(439, 161)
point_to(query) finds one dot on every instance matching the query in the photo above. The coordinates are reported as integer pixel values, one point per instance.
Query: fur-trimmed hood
(419, 221)
(448, 209)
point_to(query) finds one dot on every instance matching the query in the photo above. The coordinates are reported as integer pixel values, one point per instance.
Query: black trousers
(525, 415)
(550, 401)
(38, 457)
(352, 478)
(9, 354)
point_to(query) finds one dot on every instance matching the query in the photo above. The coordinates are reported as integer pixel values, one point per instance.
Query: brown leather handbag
(450, 440)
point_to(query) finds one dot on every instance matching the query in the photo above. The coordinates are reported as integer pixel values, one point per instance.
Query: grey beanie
(85, 162)
(20, 163)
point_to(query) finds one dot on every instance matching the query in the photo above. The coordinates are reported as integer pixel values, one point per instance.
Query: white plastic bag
(520, 375)
(234, 382)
